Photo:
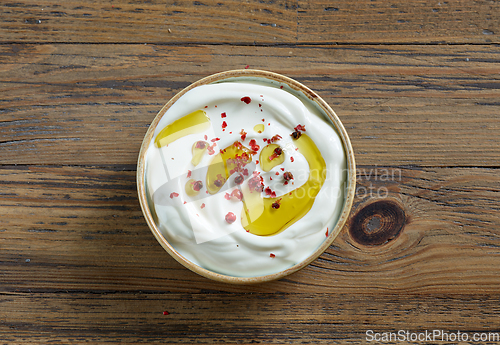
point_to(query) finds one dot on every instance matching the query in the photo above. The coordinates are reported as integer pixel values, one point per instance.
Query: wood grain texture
(414, 21)
(131, 318)
(401, 105)
(249, 22)
(416, 85)
(81, 229)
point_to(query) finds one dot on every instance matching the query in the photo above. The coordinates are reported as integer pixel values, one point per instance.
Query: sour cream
(197, 226)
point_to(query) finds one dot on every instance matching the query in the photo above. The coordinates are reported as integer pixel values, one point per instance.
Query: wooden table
(417, 87)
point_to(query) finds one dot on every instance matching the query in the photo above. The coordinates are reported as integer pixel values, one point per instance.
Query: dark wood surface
(416, 84)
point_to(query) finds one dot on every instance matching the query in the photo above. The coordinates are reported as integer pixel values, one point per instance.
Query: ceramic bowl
(266, 77)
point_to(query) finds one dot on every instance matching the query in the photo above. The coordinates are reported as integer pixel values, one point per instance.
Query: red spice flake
(260, 105)
(263, 120)
(272, 255)
(238, 145)
(202, 205)
(300, 128)
(270, 193)
(282, 169)
(296, 135)
(276, 204)
(277, 173)
(205, 137)
(256, 162)
(288, 176)
(197, 186)
(277, 152)
(211, 149)
(243, 134)
(223, 115)
(239, 179)
(245, 172)
(200, 144)
(174, 195)
(281, 86)
(256, 182)
(189, 174)
(166, 313)
(291, 159)
(246, 99)
(230, 217)
(254, 146)
(224, 124)
(237, 194)
(185, 202)
(269, 124)
(247, 66)
(215, 139)
(227, 196)
(206, 106)
(326, 232)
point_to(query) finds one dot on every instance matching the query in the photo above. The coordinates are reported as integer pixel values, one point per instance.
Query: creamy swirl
(195, 222)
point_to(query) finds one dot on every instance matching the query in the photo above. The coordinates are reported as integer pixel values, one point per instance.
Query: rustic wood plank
(81, 229)
(419, 21)
(268, 318)
(260, 22)
(120, 21)
(401, 105)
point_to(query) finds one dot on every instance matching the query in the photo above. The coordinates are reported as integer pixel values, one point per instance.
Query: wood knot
(377, 223)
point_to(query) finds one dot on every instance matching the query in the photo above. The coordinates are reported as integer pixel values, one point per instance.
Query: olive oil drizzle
(260, 218)
(224, 164)
(195, 122)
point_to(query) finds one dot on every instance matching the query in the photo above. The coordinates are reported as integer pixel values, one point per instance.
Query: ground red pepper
(239, 179)
(237, 194)
(246, 99)
(197, 186)
(230, 217)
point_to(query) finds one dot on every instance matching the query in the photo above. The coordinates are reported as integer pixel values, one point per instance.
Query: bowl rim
(349, 194)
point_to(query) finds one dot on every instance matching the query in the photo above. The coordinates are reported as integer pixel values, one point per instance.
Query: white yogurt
(196, 227)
